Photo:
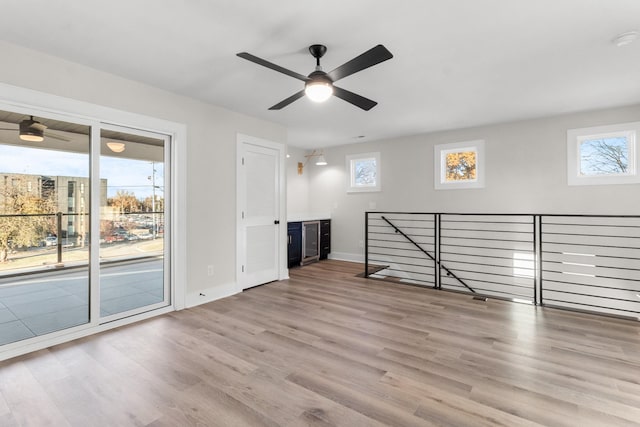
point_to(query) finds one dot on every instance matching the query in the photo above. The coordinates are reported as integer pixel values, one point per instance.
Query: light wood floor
(326, 348)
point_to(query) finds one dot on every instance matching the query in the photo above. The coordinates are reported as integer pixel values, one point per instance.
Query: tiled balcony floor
(49, 301)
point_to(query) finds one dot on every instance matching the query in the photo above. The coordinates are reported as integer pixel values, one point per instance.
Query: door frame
(241, 250)
(29, 101)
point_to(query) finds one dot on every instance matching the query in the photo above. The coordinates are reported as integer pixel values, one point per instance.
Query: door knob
(276, 221)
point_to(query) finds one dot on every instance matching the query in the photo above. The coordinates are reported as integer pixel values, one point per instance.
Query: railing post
(366, 244)
(59, 236)
(538, 257)
(436, 245)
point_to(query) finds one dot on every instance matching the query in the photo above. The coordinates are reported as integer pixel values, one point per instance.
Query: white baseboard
(345, 256)
(213, 293)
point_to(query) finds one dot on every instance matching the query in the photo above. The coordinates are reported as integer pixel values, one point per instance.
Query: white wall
(526, 173)
(297, 185)
(211, 152)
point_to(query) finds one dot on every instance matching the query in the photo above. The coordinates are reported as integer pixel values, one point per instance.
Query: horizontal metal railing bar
(490, 265)
(598, 256)
(586, 224)
(589, 286)
(577, 246)
(504, 214)
(482, 247)
(495, 282)
(390, 260)
(590, 266)
(399, 242)
(488, 230)
(411, 253)
(377, 220)
(410, 228)
(431, 267)
(485, 256)
(72, 214)
(426, 242)
(443, 236)
(595, 277)
(391, 255)
(592, 235)
(40, 215)
(449, 221)
(410, 234)
(411, 220)
(477, 230)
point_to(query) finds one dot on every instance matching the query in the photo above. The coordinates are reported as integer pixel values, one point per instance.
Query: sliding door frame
(27, 101)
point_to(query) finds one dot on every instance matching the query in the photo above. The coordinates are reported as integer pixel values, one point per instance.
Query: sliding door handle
(276, 222)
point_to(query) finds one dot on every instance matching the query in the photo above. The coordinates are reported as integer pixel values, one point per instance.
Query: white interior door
(259, 211)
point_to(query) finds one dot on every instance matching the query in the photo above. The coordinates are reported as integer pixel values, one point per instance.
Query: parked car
(51, 241)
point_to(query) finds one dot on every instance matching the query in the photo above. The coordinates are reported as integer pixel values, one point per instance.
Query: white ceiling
(457, 63)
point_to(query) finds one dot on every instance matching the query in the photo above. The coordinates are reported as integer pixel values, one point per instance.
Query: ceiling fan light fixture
(321, 161)
(319, 88)
(29, 133)
(116, 147)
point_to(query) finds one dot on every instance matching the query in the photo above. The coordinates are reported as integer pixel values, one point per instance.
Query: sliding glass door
(84, 234)
(133, 226)
(44, 226)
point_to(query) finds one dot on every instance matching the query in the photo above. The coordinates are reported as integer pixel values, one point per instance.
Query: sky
(121, 174)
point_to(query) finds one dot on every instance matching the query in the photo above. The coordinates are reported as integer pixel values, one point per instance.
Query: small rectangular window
(602, 155)
(364, 172)
(459, 165)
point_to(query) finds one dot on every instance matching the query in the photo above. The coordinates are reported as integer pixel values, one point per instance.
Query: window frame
(351, 161)
(439, 165)
(575, 137)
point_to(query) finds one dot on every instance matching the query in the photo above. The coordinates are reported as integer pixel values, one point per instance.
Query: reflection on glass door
(44, 226)
(133, 226)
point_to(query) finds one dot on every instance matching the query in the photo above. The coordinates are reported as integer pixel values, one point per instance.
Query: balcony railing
(62, 239)
(581, 262)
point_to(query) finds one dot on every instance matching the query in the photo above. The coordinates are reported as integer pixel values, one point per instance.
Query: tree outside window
(460, 166)
(364, 172)
(604, 156)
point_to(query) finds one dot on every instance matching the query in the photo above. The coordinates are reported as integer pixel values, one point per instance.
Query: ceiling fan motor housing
(28, 130)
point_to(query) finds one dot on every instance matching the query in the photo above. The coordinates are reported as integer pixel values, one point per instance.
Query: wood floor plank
(327, 348)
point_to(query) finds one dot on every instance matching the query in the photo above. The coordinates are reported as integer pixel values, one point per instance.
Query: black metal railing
(35, 240)
(591, 263)
(580, 262)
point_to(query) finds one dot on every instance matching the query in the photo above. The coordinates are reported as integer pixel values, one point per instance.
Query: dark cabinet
(325, 238)
(294, 243)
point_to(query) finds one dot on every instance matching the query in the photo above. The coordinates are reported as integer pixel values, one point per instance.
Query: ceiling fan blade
(15, 129)
(56, 136)
(288, 101)
(373, 56)
(353, 98)
(273, 66)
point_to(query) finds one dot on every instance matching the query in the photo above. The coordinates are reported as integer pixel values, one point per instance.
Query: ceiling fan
(32, 130)
(319, 85)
